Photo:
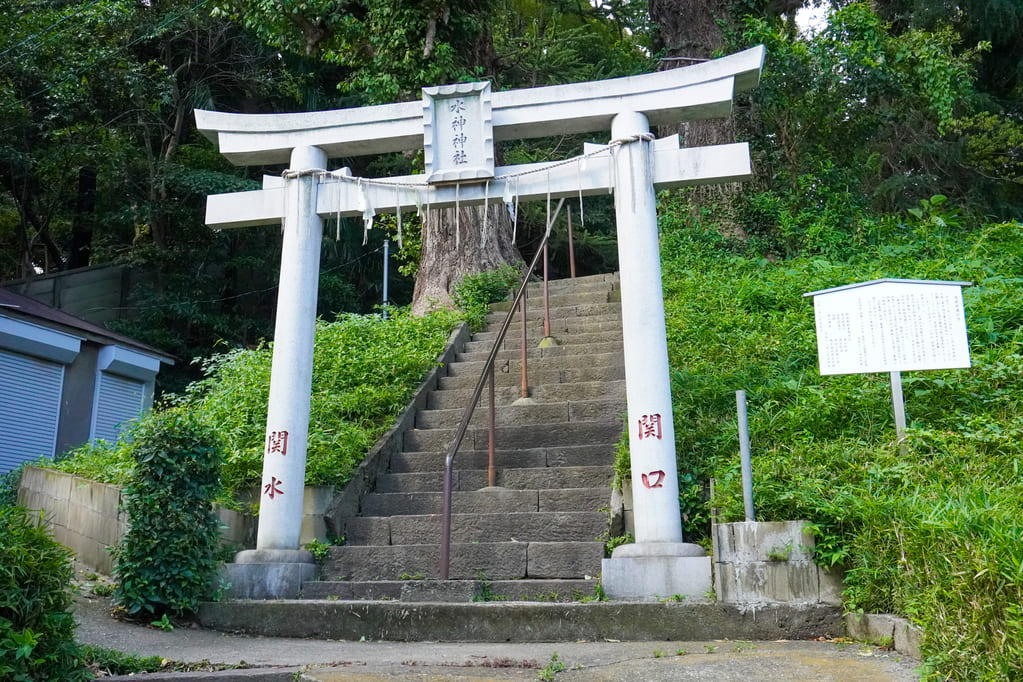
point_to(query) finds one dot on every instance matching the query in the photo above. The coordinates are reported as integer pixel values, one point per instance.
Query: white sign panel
(458, 142)
(890, 326)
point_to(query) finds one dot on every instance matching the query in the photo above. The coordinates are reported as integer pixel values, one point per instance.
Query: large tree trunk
(84, 219)
(453, 249)
(688, 32)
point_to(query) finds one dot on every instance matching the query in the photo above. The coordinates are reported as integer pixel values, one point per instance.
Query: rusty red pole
(571, 245)
(525, 384)
(491, 471)
(546, 298)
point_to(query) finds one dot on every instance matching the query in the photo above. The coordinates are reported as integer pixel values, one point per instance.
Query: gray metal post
(899, 408)
(744, 455)
(387, 251)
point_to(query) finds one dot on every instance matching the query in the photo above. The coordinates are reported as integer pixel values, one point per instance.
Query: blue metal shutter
(118, 402)
(30, 392)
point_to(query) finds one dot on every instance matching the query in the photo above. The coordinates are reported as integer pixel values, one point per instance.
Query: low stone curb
(520, 621)
(880, 627)
(237, 675)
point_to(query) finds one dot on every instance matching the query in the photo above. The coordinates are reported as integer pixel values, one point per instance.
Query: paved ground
(324, 660)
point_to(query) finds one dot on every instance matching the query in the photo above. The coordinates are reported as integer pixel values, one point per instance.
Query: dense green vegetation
(36, 627)
(932, 535)
(364, 373)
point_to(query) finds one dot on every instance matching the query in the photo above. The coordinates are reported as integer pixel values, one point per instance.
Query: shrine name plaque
(458, 133)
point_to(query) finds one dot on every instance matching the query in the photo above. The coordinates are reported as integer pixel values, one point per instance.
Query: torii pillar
(460, 170)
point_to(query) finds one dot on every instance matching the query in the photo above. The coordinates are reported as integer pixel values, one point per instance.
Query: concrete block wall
(84, 515)
(770, 562)
(316, 499)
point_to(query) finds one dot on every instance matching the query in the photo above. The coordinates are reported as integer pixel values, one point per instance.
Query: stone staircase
(537, 535)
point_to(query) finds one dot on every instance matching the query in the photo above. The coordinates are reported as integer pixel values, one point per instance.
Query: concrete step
(514, 365)
(457, 399)
(529, 526)
(599, 301)
(376, 590)
(476, 560)
(535, 353)
(399, 621)
(538, 413)
(530, 458)
(484, 341)
(417, 589)
(488, 501)
(534, 316)
(516, 479)
(588, 283)
(516, 437)
(537, 376)
(559, 327)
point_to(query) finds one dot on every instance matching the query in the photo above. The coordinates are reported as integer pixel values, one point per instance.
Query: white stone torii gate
(457, 126)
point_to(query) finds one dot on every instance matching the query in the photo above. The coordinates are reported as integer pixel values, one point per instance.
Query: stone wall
(770, 562)
(86, 516)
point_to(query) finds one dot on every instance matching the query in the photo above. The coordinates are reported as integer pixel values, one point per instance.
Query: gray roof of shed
(28, 309)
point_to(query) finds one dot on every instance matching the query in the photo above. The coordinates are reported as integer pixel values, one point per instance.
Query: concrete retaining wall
(83, 515)
(86, 516)
(316, 499)
(887, 630)
(770, 562)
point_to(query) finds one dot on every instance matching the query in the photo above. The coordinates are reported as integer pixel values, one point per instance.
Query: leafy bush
(474, 293)
(167, 558)
(9, 484)
(100, 461)
(36, 626)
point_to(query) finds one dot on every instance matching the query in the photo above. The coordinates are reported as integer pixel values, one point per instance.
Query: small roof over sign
(886, 281)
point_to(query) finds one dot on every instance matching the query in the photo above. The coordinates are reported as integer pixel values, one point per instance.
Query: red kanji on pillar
(273, 487)
(277, 441)
(650, 482)
(650, 426)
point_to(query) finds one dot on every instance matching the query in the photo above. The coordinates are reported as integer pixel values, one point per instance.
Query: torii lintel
(701, 91)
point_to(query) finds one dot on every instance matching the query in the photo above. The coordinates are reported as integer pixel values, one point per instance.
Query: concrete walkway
(278, 659)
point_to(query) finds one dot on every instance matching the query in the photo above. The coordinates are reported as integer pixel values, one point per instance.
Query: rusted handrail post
(522, 351)
(546, 297)
(463, 426)
(492, 433)
(571, 244)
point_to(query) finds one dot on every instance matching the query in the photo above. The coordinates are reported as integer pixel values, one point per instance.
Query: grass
(932, 535)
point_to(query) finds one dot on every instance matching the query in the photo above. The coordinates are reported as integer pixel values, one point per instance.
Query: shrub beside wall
(167, 560)
(36, 627)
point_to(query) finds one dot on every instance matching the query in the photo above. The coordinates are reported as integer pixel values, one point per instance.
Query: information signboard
(891, 325)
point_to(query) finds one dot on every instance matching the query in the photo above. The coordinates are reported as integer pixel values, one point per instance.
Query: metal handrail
(488, 372)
